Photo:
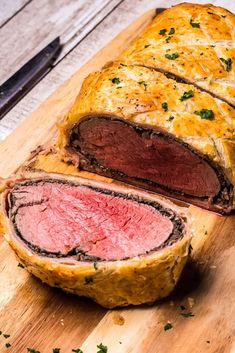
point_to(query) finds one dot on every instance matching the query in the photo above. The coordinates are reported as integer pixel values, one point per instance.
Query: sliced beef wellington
(139, 126)
(113, 244)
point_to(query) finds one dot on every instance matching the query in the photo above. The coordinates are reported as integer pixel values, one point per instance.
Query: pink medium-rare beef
(83, 236)
(150, 158)
(121, 148)
(59, 218)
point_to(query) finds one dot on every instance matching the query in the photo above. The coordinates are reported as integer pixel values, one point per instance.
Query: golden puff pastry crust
(201, 36)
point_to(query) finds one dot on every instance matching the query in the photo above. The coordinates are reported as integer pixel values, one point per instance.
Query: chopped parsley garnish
(143, 83)
(115, 80)
(205, 113)
(228, 63)
(56, 350)
(224, 16)
(189, 314)
(167, 326)
(165, 106)
(7, 345)
(78, 350)
(6, 336)
(102, 348)
(147, 45)
(88, 280)
(172, 31)
(32, 350)
(186, 95)
(172, 56)
(95, 265)
(171, 118)
(20, 265)
(162, 32)
(194, 24)
(168, 39)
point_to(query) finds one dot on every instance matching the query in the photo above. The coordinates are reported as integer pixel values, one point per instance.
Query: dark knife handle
(25, 78)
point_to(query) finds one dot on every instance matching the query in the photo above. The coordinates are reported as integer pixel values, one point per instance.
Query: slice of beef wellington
(136, 125)
(116, 245)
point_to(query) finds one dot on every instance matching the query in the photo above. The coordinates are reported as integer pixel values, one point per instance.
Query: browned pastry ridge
(162, 115)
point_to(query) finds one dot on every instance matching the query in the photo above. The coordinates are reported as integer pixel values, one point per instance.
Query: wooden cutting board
(44, 318)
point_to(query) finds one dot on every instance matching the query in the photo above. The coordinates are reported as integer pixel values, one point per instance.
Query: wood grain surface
(27, 35)
(43, 318)
(9, 9)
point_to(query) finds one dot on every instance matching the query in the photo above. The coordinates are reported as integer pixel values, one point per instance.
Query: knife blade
(12, 90)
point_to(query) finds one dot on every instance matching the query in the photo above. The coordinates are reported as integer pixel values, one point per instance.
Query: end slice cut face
(150, 158)
(59, 218)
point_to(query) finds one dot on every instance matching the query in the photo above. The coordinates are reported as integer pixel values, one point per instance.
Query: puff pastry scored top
(177, 76)
(203, 38)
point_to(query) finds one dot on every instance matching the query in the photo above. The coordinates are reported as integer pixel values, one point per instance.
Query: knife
(12, 90)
